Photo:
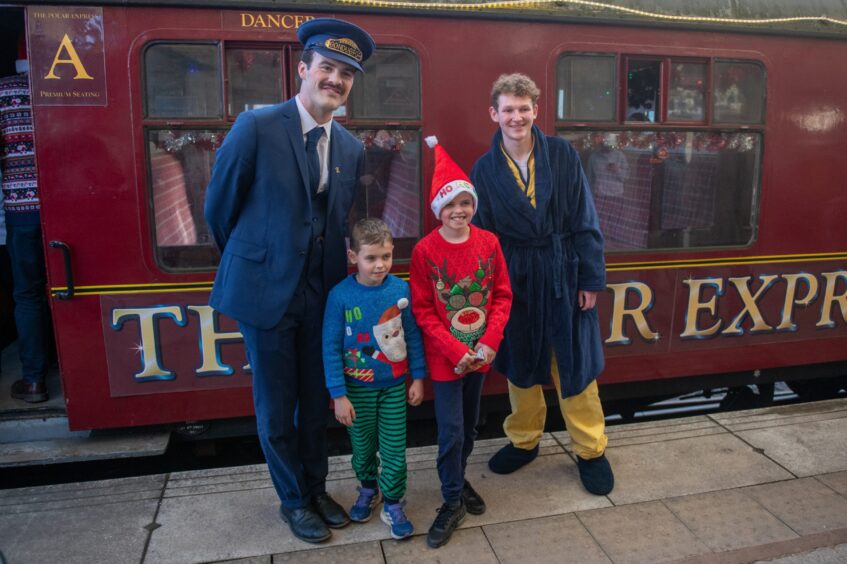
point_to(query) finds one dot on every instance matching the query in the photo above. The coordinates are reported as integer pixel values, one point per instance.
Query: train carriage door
(26, 337)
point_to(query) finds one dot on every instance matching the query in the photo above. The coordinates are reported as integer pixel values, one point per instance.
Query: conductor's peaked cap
(338, 40)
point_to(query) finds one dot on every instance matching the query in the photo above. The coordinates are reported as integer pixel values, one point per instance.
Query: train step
(28, 442)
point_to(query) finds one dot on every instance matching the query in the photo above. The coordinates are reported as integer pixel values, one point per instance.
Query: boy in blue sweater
(370, 344)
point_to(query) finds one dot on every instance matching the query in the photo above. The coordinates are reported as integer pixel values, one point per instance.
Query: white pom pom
(432, 141)
(402, 303)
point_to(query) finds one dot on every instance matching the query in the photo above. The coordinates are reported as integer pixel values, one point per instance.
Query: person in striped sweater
(370, 344)
(23, 231)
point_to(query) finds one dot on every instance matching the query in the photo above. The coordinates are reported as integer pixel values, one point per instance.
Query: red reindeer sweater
(461, 296)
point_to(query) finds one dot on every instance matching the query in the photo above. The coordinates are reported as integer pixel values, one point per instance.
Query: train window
(687, 93)
(391, 184)
(739, 92)
(180, 158)
(254, 79)
(586, 88)
(672, 189)
(183, 80)
(643, 92)
(663, 176)
(388, 91)
(390, 88)
(180, 164)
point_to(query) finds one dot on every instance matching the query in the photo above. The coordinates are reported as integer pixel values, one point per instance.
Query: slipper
(596, 474)
(510, 458)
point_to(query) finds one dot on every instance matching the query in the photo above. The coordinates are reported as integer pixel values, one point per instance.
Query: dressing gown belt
(557, 241)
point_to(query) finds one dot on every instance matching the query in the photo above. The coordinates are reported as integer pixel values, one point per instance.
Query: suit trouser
(291, 399)
(583, 414)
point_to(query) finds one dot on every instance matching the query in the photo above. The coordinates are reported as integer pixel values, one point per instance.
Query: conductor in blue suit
(277, 205)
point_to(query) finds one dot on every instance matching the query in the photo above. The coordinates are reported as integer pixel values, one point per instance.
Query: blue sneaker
(394, 516)
(362, 510)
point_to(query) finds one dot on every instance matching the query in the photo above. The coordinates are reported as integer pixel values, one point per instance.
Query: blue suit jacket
(259, 211)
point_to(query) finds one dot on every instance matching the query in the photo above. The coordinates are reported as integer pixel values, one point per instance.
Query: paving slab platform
(767, 485)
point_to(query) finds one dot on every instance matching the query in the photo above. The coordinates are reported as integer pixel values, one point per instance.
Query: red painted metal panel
(93, 177)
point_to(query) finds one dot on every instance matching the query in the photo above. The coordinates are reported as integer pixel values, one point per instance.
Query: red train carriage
(713, 150)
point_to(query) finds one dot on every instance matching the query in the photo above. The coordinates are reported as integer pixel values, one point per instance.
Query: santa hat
(393, 311)
(448, 180)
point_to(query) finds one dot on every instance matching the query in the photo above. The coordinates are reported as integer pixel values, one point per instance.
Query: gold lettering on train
(742, 285)
(149, 347)
(695, 285)
(787, 322)
(270, 20)
(210, 338)
(68, 47)
(637, 313)
(830, 299)
(631, 301)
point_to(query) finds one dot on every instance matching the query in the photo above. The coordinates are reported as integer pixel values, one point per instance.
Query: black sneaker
(449, 517)
(473, 501)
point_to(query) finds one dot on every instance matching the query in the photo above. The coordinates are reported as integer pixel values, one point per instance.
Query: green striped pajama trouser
(380, 424)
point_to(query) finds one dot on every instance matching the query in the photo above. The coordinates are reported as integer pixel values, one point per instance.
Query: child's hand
(344, 412)
(416, 392)
(466, 363)
(486, 352)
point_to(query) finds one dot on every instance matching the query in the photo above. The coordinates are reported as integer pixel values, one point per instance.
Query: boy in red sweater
(461, 299)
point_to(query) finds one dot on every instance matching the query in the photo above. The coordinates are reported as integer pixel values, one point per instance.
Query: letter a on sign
(68, 47)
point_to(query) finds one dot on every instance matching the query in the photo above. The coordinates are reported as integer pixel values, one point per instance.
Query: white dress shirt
(308, 123)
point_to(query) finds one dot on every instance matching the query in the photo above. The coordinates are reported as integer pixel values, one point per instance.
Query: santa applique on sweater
(391, 340)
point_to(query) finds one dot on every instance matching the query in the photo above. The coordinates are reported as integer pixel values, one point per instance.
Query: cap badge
(345, 46)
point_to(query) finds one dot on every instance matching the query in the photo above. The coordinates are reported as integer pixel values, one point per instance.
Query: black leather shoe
(305, 524)
(449, 517)
(30, 392)
(473, 501)
(332, 514)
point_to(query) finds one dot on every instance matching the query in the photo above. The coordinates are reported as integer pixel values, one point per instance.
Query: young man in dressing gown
(534, 194)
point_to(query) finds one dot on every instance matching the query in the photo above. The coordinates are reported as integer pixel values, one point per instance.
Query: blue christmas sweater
(370, 337)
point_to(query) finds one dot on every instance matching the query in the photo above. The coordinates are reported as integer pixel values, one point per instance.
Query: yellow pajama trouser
(583, 415)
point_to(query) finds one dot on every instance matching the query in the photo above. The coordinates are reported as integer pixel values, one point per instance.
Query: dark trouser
(8, 332)
(291, 399)
(457, 413)
(31, 315)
